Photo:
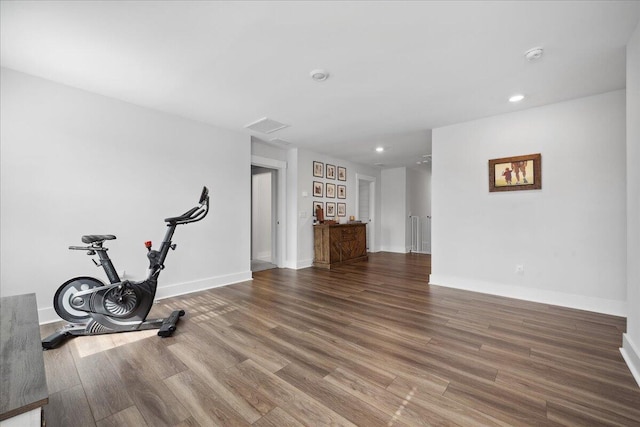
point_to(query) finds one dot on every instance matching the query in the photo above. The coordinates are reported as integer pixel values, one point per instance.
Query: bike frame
(122, 305)
(156, 258)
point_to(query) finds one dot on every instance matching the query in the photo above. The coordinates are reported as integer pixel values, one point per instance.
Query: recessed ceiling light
(380, 149)
(516, 98)
(319, 75)
(534, 54)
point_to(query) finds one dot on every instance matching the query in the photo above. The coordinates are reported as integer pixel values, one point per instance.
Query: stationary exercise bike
(95, 308)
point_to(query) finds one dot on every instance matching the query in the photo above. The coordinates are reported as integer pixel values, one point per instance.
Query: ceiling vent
(266, 125)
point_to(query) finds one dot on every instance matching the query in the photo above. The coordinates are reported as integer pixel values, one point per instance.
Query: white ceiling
(398, 69)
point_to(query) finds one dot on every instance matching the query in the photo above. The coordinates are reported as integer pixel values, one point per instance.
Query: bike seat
(92, 238)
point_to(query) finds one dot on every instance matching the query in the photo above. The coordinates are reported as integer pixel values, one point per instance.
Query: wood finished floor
(370, 344)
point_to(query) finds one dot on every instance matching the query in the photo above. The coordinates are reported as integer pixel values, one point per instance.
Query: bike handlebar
(194, 214)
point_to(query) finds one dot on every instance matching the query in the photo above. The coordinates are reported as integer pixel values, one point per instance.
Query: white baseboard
(201, 285)
(305, 263)
(580, 302)
(395, 249)
(49, 315)
(631, 355)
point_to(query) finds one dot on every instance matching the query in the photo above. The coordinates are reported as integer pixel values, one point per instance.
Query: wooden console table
(339, 244)
(23, 390)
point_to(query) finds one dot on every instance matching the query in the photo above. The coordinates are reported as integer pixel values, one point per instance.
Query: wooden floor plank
(355, 410)
(205, 406)
(60, 370)
(297, 403)
(277, 418)
(106, 393)
(398, 409)
(368, 344)
(213, 375)
(127, 417)
(152, 398)
(68, 407)
(425, 395)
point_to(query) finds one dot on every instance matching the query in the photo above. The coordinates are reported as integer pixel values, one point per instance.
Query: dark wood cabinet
(23, 389)
(339, 244)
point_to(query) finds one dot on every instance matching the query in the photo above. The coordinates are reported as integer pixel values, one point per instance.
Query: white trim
(49, 315)
(631, 355)
(305, 263)
(281, 220)
(395, 249)
(30, 418)
(291, 264)
(580, 302)
(266, 162)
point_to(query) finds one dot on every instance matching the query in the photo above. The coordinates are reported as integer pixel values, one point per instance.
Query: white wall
(304, 207)
(75, 163)
(570, 235)
(631, 340)
(293, 224)
(263, 149)
(395, 218)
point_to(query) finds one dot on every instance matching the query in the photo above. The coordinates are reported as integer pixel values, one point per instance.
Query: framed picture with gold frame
(516, 173)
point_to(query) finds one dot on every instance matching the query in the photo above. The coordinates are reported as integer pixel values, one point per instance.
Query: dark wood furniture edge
(29, 318)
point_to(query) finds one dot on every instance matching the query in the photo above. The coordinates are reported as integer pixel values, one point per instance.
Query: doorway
(365, 206)
(263, 216)
(274, 227)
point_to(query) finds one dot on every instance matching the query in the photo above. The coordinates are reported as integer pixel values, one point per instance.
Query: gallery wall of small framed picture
(326, 185)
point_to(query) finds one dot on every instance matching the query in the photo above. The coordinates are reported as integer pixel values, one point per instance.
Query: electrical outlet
(520, 269)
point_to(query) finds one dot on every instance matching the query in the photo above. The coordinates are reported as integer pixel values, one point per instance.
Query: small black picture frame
(316, 205)
(342, 191)
(342, 173)
(330, 190)
(318, 189)
(331, 171)
(318, 169)
(331, 209)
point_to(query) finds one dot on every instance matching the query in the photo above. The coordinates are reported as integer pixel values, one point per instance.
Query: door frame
(280, 197)
(372, 203)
